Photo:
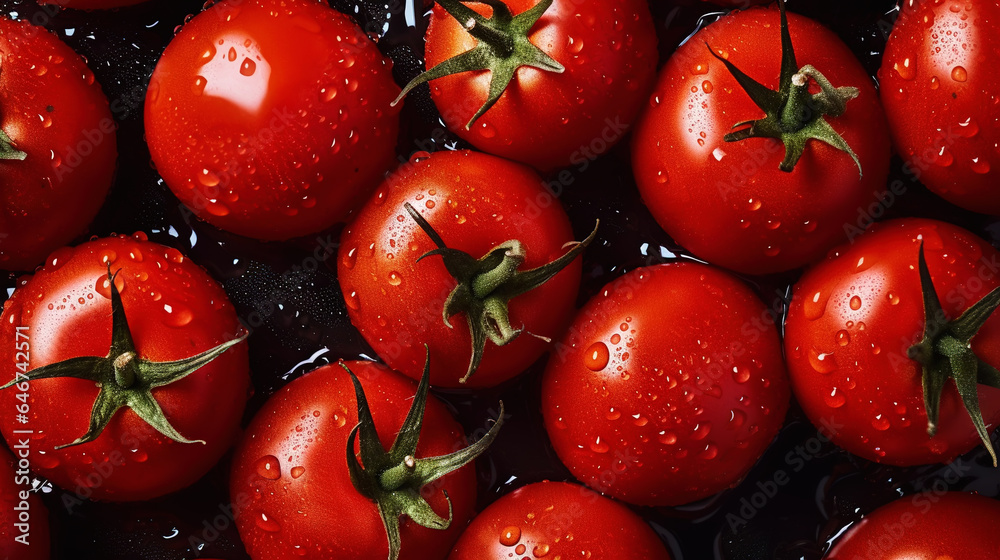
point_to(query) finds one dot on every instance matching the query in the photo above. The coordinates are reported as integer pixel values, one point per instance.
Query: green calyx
(126, 379)
(793, 115)
(486, 286)
(945, 351)
(502, 47)
(393, 479)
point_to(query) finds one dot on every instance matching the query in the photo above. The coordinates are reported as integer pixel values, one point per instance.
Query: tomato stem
(393, 478)
(486, 286)
(792, 114)
(503, 47)
(945, 351)
(7, 149)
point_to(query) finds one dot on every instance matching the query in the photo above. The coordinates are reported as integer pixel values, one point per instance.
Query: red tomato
(852, 321)
(174, 311)
(728, 202)
(559, 520)
(56, 116)
(475, 202)
(91, 4)
(941, 94)
(668, 386)
(291, 484)
(925, 527)
(549, 119)
(271, 119)
(24, 520)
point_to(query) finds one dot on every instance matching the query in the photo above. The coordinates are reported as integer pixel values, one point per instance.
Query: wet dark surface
(299, 320)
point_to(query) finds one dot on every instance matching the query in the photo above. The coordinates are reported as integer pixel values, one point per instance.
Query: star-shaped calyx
(945, 351)
(486, 286)
(502, 47)
(393, 479)
(792, 114)
(125, 378)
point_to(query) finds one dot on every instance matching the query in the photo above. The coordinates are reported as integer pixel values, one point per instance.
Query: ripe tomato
(475, 203)
(292, 487)
(271, 119)
(577, 78)
(667, 387)
(729, 201)
(57, 145)
(942, 96)
(558, 519)
(850, 326)
(24, 520)
(925, 526)
(174, 311)
(91, 4)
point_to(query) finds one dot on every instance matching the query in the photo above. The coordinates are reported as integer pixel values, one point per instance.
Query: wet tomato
(853, 321)
(667, 387)
(557, 520)
(57, 145)
(114, 424)
(271, 119)
(942, 97)
(735, 196)
(293, 488)
(577, 74)
(925, 526)
(477, 204)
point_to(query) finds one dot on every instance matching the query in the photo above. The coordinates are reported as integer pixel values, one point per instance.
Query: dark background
(827, 489)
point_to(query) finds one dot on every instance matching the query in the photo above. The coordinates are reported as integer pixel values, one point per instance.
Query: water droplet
(395, 279)
(349, 258)
(248, 68)
(943, 157)
(613, 414)
(754, 205)
(599, 446)
(231, 55)
(741, 375)
(351, 298)
(959, 74)
(267, 524)
(879, 423)
(706, 86)
(710, 452)
(662, 177)
(843, 338)
(906, 69)
(737, 418)
(178, 315)
(822, 362)
(298, 472)
(855, 303)
(486, 130)
(575, 45)
(208, 178)
(980, 165)
(510, 536)
(540, 550)
(668, 438)
(701, 431)
(597, 356)
(269, 468)
(835, 399)
(198, 87)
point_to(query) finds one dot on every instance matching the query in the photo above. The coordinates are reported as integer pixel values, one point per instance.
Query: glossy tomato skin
(727, 202)
(13, 482)
(290, 481)
(941, 94)
(544, 119)
(672, 380)
(475, 202)
(175, 310)
(557, 519)
(91, 4)
(55, 112)
(271, 119)
(925, 527)
(851, 321)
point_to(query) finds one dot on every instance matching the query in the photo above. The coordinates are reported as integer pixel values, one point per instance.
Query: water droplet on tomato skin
(598, 446)
(268, 524)
(815, 305)
(510, 536)
(822, 362)
(297, 472)
(597, 356)
(351, 299)
(268, 467)
(843, 338)
(959, 74)
(835, 399)
(855, 303)
(540, 550)
(177, 315)
(880, 423)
